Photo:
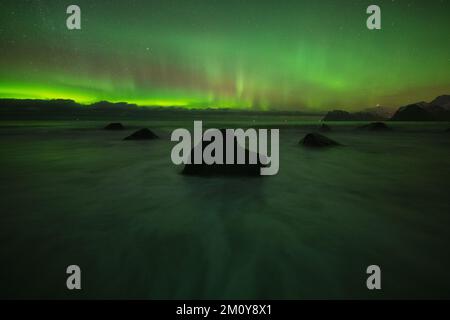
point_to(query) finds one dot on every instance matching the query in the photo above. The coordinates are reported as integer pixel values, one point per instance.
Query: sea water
(72, 193)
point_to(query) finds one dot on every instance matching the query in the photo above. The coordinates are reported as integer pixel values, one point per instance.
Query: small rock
(114, 126)
(316, 140)
(142, 134)
(375, 126)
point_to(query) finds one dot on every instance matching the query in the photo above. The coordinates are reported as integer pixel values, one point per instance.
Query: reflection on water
(140, 229)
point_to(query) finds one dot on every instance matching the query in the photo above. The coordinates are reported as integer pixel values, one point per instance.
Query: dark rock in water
(234, 169)
(114, 126)
(316, 140)
(375, 126)
(142, 134)
(325, 128)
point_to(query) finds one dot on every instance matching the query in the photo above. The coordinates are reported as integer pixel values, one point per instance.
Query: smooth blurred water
(72, 193)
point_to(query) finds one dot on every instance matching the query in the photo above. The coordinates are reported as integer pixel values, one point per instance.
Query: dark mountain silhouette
(439, 113)
(340, 115)
(436, 110)
(103, 105)
(412, 112)
(39, 105)
(64, 109)
(442, 101)
(420, 112)
(13, 109)
(381, 111)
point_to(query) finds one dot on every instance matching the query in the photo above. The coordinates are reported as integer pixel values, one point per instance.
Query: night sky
(278, 54)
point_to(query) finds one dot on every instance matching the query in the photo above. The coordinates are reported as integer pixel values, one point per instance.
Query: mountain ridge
(436, 110)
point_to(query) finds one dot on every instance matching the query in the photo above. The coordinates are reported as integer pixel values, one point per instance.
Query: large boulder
(142, 134)
(375, 126)
(317, 140)
(114, 126)
(234, 169)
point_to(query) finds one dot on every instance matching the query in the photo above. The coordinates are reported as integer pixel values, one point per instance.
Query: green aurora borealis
(281, 55)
